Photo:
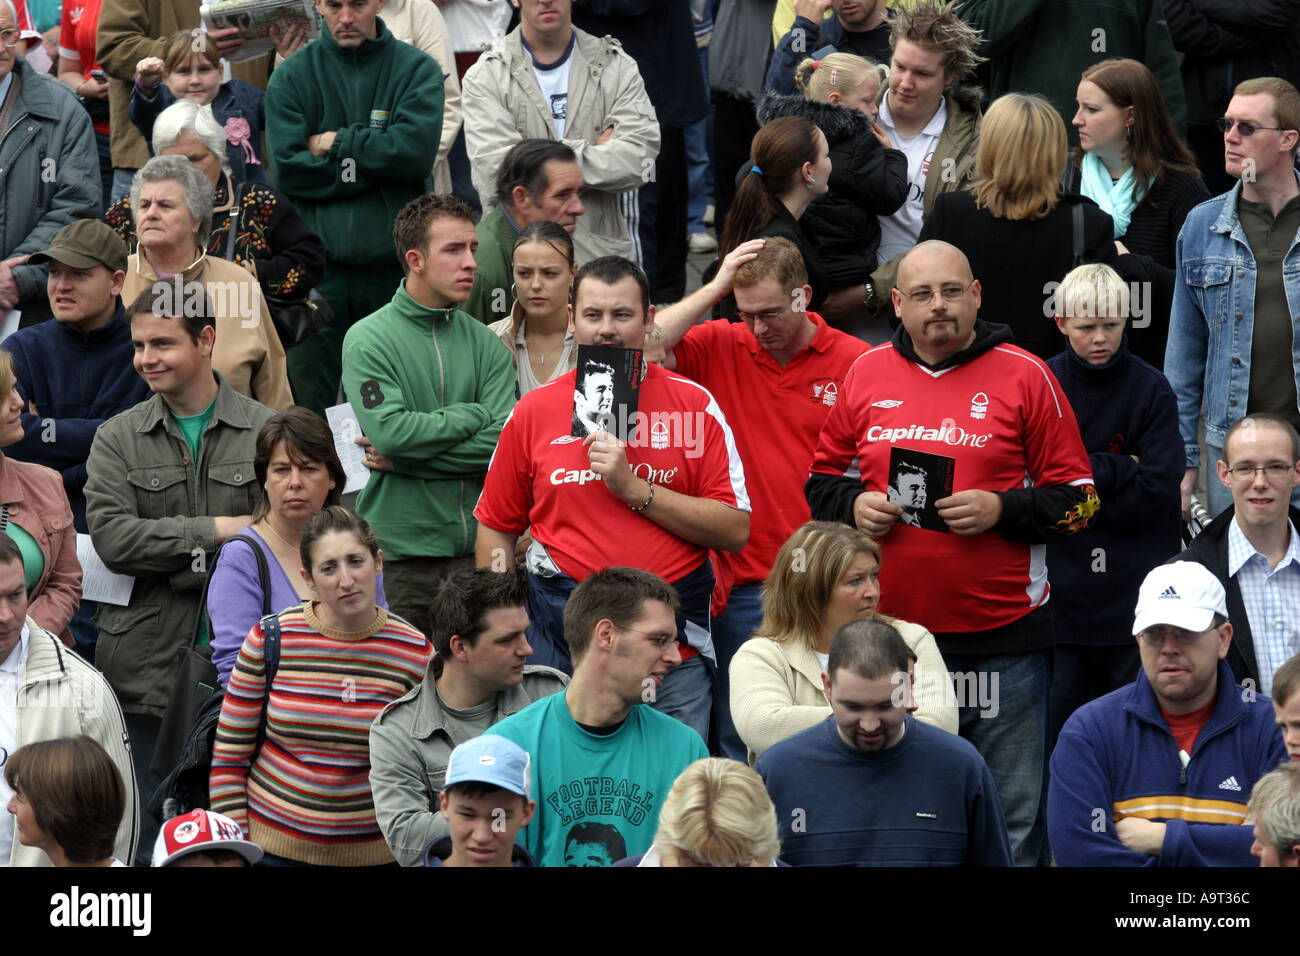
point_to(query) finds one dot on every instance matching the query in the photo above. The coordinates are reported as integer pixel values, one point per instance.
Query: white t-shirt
(11, 676)
(553, 78)
(823, 660)
(899, 232)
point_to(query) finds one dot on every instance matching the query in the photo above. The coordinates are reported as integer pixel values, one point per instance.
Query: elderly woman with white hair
(271, 240)
(172, 202)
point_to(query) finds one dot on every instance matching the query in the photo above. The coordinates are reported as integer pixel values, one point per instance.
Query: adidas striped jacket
(1117, 758)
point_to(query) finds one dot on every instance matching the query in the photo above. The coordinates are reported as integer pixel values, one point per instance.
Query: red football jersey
(540, 476)
(776, 414)
(1005, 422)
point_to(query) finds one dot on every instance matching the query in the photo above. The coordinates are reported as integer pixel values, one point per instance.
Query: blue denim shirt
(1213, 319)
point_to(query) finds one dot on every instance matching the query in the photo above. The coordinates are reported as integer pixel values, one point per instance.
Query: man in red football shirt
(776, 375)
(658, 502)
(1007, 471)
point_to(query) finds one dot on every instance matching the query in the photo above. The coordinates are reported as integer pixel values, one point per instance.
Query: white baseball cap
(1183, 594)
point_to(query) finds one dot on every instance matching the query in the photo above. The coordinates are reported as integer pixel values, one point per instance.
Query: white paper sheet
(9, 324)
(97, 582)
(343, 423)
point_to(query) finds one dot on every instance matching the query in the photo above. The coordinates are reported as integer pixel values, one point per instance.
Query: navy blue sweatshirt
(929, 800)
(1125, 408)
(76, 382)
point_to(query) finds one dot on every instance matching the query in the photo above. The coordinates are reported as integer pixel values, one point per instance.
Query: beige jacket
(503, 105)
(419, 23)
(248, 353)
(60, 695)
(776, 689)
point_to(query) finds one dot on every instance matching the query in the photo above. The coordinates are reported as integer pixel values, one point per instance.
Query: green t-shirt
(33, 559)
(192, 427)
(598, 796)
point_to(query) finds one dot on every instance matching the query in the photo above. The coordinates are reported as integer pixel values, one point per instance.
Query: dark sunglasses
(1245, 127)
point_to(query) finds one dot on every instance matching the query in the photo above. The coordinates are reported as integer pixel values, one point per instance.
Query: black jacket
(866, 181)
(1210, 548)
(1225, 42)
(1016, 260)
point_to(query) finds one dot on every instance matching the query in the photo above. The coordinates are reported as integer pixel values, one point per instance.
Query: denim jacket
(1213, 319)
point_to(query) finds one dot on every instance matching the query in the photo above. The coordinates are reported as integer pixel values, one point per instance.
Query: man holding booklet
(657, 494)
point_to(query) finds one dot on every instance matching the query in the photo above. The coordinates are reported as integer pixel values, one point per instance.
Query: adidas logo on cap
(1169, 592)
(1230, 784)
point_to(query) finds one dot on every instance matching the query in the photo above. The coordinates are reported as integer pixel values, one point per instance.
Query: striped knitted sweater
(307, 796)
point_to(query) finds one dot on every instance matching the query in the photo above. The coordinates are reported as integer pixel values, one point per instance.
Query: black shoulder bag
(296, 318)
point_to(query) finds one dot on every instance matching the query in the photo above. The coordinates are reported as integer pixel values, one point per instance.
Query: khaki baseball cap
(84, 244)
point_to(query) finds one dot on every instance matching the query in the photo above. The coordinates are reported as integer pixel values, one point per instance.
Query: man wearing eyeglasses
(952, 386)
(49, 176)
(1253, 549)
(776, 374)
(1158, 773)
(602, 762)
(1237, 294)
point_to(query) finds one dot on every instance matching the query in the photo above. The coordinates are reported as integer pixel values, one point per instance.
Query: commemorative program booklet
(606, 391)
(917, 479)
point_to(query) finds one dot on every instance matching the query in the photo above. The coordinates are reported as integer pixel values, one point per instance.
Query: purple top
(235, 599)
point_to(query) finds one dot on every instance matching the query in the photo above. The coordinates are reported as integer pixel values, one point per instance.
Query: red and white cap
(201, 830)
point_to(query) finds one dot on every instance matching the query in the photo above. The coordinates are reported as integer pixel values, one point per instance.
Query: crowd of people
(902, 552)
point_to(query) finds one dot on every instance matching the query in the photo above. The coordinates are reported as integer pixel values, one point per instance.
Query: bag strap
(271, 663)
(263, 578)
(1078, 234)
(235, 206)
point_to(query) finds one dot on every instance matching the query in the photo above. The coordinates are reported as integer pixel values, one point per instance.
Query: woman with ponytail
(790, 166)
(868, 177)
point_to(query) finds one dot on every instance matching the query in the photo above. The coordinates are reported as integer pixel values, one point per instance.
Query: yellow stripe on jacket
(1168, 807)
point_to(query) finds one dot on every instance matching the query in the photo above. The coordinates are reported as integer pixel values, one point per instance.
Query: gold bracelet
(648, 500)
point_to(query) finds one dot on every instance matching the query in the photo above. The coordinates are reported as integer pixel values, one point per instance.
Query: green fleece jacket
(431, 389)
(384, 99)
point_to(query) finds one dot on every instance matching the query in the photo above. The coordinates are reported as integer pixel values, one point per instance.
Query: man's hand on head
(608, 457)
(874, 513)
(970, 512)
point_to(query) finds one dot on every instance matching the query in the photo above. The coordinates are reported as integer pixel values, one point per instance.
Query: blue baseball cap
(491, 759)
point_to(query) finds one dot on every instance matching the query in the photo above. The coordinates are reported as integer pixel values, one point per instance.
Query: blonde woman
(825, 576)
(717, 813)
(1016, 225)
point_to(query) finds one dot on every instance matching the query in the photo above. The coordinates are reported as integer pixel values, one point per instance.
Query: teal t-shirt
(33, 559)
(598, 796)
(192, 427)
